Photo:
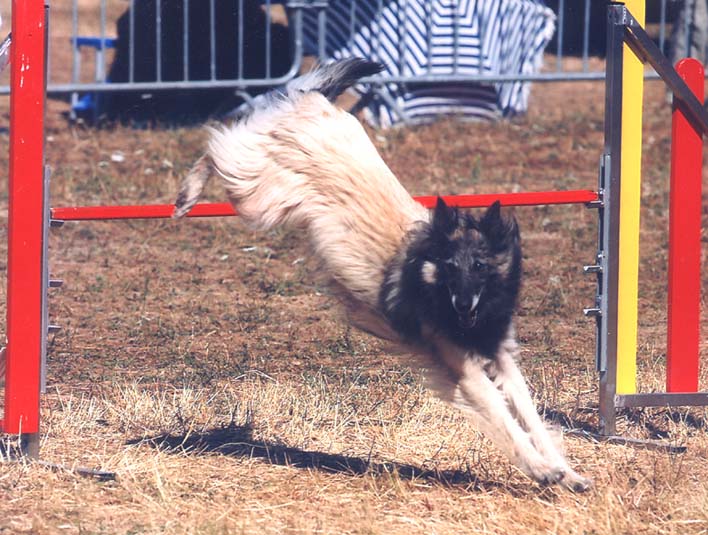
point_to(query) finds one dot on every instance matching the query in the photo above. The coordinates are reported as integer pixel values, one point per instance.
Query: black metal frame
(623, 28)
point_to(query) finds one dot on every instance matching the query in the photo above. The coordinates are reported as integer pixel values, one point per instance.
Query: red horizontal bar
(149, 211)
(526, 198)
(163, 211)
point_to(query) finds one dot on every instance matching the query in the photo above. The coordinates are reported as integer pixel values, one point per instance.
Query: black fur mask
(461, 277)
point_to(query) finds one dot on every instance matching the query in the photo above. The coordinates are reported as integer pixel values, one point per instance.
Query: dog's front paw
(544, 472)
(575, 482)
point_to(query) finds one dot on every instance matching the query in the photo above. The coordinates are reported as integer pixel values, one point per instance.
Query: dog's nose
(465, 304)
(461, 304)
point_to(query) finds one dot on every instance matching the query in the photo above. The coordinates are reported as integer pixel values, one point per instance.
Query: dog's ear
(501, 230)
(445, 218)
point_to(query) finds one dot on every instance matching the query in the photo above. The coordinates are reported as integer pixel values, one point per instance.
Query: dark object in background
(689, 36)
(574, 26)
(190, 105)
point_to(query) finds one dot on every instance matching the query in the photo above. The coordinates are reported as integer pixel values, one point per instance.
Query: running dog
(443, 286)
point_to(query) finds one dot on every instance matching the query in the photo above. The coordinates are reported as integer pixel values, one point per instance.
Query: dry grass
(205, 366)
(324, 454)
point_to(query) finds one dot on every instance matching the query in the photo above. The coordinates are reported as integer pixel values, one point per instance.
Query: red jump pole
(163, 211)
(685, 240)
(25, 222)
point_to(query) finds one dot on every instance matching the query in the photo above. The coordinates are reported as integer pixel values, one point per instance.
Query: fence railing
(114, 46)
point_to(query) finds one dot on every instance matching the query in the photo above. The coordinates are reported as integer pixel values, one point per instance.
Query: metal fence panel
(238, 44)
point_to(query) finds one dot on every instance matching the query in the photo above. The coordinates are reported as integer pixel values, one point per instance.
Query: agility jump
(30, 217)
(628, 46)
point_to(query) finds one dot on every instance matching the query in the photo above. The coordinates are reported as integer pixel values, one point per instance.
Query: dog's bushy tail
(334, 78)
(330, 80)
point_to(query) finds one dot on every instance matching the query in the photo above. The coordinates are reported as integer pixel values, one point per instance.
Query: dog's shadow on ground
(238, 441)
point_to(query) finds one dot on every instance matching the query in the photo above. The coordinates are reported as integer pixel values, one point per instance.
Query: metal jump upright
(27, 224)
(623, 28)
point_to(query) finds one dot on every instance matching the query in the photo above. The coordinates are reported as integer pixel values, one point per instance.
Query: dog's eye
(477, 265)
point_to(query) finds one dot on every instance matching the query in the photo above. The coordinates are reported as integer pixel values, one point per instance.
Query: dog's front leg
(476, 394)
(510, 381)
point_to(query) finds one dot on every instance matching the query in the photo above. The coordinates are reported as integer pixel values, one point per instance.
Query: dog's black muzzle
(466, 308)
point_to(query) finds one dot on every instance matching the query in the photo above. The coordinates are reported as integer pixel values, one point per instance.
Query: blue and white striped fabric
(440, 37)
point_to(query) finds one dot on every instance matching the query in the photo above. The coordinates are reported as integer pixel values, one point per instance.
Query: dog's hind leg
(510, 381)
(192, 186)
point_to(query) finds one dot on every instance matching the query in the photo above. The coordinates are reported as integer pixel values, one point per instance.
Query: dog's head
(474, 264)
